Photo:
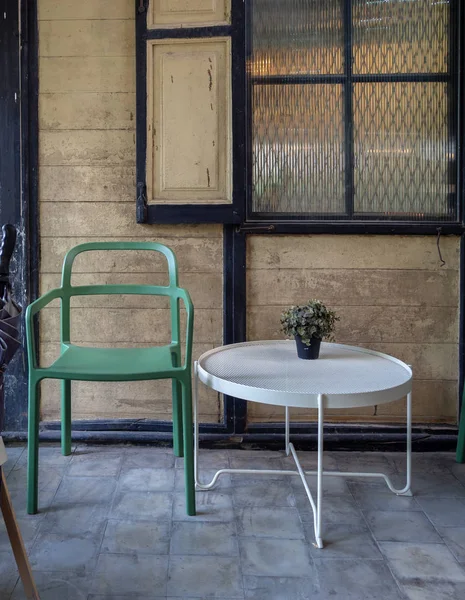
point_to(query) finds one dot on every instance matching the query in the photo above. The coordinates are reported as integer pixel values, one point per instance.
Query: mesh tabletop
(271, 372)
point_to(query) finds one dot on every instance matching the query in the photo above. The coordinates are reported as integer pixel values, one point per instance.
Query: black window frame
(349, 222)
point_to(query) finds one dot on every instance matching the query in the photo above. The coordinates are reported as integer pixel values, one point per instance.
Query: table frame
(317, 507)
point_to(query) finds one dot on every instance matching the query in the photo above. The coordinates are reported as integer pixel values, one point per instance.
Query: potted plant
(309, 324)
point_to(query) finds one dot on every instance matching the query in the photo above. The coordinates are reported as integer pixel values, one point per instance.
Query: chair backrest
(95, 246)
(105, 289)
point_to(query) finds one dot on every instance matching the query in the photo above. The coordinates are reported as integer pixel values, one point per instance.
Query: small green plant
(312, 320)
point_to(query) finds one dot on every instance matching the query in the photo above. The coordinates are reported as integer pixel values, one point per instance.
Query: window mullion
(348, 109)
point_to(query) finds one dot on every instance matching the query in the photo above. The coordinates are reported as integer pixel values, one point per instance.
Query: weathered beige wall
(391, 292)
(392, 295)
(87, 192)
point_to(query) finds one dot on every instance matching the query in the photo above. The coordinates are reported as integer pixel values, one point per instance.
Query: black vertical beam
(141, 109)
(348, 109)
(234, 242)
(18, 175)
(248, 100)
(459, 13)
(234, 314)
(30, 142)
(461, 326)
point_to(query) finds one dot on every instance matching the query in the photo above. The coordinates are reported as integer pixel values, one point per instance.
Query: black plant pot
(311, 352)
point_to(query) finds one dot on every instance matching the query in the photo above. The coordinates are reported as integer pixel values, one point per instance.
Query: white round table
(342, 377)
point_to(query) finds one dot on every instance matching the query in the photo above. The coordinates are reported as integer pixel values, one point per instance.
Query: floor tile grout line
(402, 592)
(442, 538)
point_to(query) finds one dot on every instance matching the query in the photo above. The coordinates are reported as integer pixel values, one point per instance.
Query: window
(352, 110)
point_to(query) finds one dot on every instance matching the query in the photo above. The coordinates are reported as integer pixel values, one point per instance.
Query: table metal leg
(406, 491)
(319, 496)
(318, 506)
(198, 484)
(287, 431)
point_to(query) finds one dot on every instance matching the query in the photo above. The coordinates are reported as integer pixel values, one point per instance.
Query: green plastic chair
(113, 364)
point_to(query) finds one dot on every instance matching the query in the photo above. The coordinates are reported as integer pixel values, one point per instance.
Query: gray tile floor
(112, 526)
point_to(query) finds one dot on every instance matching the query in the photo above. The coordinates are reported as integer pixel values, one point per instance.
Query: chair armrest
(185, 297)
(31, 310)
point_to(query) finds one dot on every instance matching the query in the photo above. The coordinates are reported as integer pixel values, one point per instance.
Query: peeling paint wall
(87, 192)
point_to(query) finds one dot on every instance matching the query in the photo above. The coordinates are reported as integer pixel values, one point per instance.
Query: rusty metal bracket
(253, 228)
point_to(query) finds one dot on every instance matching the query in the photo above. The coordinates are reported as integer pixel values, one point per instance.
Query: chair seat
(113, 364)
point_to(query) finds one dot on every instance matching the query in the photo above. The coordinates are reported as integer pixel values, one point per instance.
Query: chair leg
(177, 418)
(460, 456)
(188, 446)
(66, 417)
(17, 544)
(33, 447)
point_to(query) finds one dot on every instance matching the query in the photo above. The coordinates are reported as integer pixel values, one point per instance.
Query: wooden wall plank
(88, 9)
(87, 38)
(132, 400)
(205, 289)
(433, 361)
(89, 74)
(114, 183)
(198, 248)
(87, 110)
(359, 287)
(114, 325)
(89, 219)
(432, 402)
(105, 147)
(348, 252)
(367, 324)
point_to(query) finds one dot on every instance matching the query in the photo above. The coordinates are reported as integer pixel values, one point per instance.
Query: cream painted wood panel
(85, 9)
(189, 121)
(367, 287)
(112, 147)
(351, 252)
(114, 183)
(87, 110)
(198, 249)
(87, 74)
(87, 38)
(185, 13)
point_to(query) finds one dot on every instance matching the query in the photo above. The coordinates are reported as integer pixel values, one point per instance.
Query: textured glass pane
(400, 36)
(298, 153)
(295, 37)
(403, 157)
